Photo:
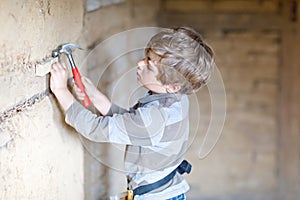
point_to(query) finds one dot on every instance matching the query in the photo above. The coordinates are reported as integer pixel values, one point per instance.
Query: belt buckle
(127, 195)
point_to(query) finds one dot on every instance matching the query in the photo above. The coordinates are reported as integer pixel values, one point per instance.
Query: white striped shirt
(155, 131)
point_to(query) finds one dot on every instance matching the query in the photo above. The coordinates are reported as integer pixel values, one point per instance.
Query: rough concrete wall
(40, 157)
(113, 53)
(289, 134)
(243, 164)
(257, 155)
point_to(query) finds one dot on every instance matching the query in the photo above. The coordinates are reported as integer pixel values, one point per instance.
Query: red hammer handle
(77, 78)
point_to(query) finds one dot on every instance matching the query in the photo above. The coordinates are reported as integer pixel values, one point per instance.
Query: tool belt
(184, 167)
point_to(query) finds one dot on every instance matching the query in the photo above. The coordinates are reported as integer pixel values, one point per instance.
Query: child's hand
(59, 77)
(100, 101)
(58, 85)
(90, 89)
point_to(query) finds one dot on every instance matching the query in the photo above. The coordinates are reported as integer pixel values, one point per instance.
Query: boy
(177, 62)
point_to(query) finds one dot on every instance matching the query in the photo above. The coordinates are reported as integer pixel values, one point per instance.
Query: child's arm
(58, 85)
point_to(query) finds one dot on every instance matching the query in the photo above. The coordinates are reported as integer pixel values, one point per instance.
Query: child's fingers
(80, 97)
(59, 77)
(63, 65)
(56, 67)
(77, 89)
(79, 94)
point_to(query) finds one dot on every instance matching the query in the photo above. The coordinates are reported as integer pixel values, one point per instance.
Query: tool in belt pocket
(123, 196)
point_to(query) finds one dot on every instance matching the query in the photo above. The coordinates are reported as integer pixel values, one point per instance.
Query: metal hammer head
(65, 48)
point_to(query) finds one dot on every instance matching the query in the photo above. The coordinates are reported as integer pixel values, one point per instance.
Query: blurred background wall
(257, 156)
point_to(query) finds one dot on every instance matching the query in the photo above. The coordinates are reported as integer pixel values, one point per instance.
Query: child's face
(146, 75)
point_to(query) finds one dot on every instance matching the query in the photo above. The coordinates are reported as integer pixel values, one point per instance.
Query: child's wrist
(101, 102)
(97, 97)
(60, 91)
(64, 97)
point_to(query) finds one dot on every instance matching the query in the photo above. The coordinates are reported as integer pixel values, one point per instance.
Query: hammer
(67, 49)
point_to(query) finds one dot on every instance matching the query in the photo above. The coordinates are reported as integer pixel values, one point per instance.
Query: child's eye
(149, 67)
(147, 60)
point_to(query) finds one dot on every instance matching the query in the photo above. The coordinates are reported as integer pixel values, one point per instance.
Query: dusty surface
(40, 157)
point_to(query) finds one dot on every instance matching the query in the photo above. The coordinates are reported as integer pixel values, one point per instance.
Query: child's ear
(173, 88)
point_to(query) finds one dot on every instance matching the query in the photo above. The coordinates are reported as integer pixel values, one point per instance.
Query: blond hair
(185, 59)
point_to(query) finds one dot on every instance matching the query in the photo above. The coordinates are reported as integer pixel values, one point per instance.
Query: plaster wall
(40, 157)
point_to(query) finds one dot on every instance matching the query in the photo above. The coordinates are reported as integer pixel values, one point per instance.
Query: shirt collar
(160, 97)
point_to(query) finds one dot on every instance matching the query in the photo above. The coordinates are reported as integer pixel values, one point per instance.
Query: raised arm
(58, 85)
(142, 127)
